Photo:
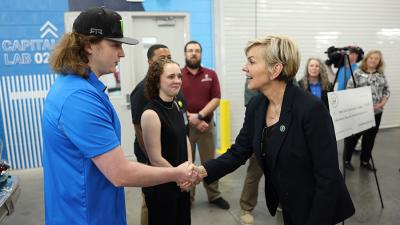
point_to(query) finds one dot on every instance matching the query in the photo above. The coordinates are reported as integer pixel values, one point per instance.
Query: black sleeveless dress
(166, 203)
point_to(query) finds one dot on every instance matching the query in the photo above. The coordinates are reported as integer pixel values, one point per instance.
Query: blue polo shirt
(79, 123)
(315, 89)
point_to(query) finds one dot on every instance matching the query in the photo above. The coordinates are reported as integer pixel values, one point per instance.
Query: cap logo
(122, 26)
(96, 31)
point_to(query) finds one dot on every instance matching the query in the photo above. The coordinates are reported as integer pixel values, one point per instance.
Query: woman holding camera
(370, 73)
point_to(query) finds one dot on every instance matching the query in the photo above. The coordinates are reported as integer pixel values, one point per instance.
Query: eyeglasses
(193, 51)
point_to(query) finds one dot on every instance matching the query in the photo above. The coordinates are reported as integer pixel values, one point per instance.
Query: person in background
(248, 198)
(344, 73)
(84, 166)
(291, 134)
(202, 92)
(315, 79)
(371, 73)
(166, 142)
(138, 102)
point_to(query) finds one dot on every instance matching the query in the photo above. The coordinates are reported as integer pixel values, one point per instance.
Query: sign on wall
(30, 51)
(27, 38)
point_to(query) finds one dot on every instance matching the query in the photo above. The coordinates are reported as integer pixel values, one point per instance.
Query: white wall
(315, 25)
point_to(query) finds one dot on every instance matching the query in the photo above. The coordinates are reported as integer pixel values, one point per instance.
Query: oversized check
(351, 110)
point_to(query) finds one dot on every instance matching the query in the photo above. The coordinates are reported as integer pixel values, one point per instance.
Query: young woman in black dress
(164, 126)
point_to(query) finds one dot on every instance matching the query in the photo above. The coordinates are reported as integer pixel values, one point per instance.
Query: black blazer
(324, 94)
(305, 175)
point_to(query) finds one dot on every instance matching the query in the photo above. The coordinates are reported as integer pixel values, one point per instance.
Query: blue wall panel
(200, 21)
(33, 5)
(29, 30)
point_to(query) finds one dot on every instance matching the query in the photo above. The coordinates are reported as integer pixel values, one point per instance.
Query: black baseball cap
(102, 22)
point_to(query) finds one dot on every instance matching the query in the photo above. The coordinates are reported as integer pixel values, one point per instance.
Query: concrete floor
(362, 186)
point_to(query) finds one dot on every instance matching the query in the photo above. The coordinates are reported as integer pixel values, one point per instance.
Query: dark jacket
(324, 94)
(303, 158)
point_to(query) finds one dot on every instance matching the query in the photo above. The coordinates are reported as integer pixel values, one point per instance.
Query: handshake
(189, 175)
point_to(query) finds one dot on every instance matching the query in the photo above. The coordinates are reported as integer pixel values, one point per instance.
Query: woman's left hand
(378, 107)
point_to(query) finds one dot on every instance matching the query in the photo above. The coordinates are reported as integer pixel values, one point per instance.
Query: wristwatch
(199, 116)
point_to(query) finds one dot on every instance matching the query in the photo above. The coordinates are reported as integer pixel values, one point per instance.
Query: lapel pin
(282, 128)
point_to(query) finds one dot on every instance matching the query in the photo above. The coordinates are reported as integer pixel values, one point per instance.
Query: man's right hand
(197, 175)
(185, 173)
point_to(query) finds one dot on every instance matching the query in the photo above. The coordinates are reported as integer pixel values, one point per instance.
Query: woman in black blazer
(292, 136)
(315, 79)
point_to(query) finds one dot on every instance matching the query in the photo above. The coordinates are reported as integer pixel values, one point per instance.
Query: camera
(336, 55)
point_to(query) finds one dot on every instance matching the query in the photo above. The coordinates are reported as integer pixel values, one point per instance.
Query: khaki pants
(144, 215)
(206, 145)
(248, 199)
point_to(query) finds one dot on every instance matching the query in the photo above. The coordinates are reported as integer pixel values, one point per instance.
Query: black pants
(166, 207)
(287, 219)
(368, 140)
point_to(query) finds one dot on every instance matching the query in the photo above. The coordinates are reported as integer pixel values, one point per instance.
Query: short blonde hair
(279, 49)
(381, 66)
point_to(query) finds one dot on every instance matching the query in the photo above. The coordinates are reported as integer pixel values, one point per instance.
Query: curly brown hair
(152, 80)
(69, 55)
